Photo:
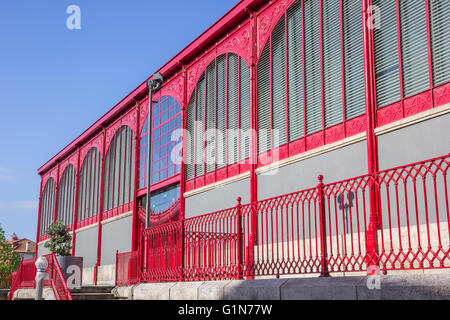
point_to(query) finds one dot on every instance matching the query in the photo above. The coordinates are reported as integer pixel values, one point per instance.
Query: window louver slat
(65, 195)
(233, 104)
(221, 111)
(295, 76)
(386, 54)
(312, 67)
(190, 123)
(279, 85)
(199, 134)
(210, 116)
(332, 68)
(414, 47)
(245, 137)
(264, 112)
(47, 206)
(353, 59)
(440, 40)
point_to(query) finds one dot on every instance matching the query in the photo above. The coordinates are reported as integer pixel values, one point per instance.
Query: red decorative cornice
(389, 114)
(175, 89)
(52, 174)
(268, 20)
(238, 43)
(144, 112)
(418, 103)
(195, 71)
(72, 160)
(442, 95)
(97, 143)
(128, 120)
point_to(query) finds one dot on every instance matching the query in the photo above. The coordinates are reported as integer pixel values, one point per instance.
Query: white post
(41, 266)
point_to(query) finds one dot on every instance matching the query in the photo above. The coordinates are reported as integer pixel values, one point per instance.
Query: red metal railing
(127, 268)
(25, 276)
(5, 280)
(397, 219)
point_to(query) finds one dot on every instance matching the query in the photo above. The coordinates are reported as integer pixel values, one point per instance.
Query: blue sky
(55, 82)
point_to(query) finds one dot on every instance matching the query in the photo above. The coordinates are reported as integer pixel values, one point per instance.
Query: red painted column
(183, 171)
(100, 214)
(135, 223)
(75, 210)
(372, 148)
(323, 230)
(39, 217)
(253, 237)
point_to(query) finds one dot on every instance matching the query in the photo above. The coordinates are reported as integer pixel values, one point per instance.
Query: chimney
(13, 238)
(28, 246)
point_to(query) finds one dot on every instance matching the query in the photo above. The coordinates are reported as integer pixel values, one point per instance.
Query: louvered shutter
(264, 112)
(312, 66)
(200, 130)
(82, 188)
(210, 116)
(65, 199)
(245, 137)
(279, 84)
(95, 155)
(47, 205)
(190, 151)
(353, 59)
(221, 111)
(386, 54)
(122, 175)
(132, 164)
(295, 67)
(332, 67)
(233, 108)
(440, 40)
(414, 46)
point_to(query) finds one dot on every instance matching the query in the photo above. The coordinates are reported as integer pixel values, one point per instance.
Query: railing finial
(320, 177)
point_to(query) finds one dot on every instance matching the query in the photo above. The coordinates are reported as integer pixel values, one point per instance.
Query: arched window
(89, 186)
(167, 117)
(218, 117)
(66, 196)
(119, 170)
(47, 206)
(310, 75)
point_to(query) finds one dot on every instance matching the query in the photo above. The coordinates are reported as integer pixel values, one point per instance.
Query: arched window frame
(118, 190)
(89, 188)
(345, 122)
(47, 208)
(217, 73)
(66, 195)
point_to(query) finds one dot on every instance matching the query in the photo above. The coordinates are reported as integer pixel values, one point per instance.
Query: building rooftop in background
(22, 246)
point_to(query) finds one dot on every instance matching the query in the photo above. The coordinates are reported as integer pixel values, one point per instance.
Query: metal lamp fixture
(154, 85)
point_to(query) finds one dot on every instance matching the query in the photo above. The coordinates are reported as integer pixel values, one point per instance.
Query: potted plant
(60, 243)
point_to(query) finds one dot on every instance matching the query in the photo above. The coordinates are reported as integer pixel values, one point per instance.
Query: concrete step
(92, 296)
(93, 289)
(93, 293)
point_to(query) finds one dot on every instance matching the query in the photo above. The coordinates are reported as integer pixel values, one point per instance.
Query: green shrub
(60, 242)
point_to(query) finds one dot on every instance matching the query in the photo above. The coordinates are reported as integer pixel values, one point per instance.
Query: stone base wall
(392, 287)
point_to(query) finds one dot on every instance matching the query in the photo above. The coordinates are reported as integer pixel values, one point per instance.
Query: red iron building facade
(316, 87)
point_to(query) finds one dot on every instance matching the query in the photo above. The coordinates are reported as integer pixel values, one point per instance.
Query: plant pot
(72, 269)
